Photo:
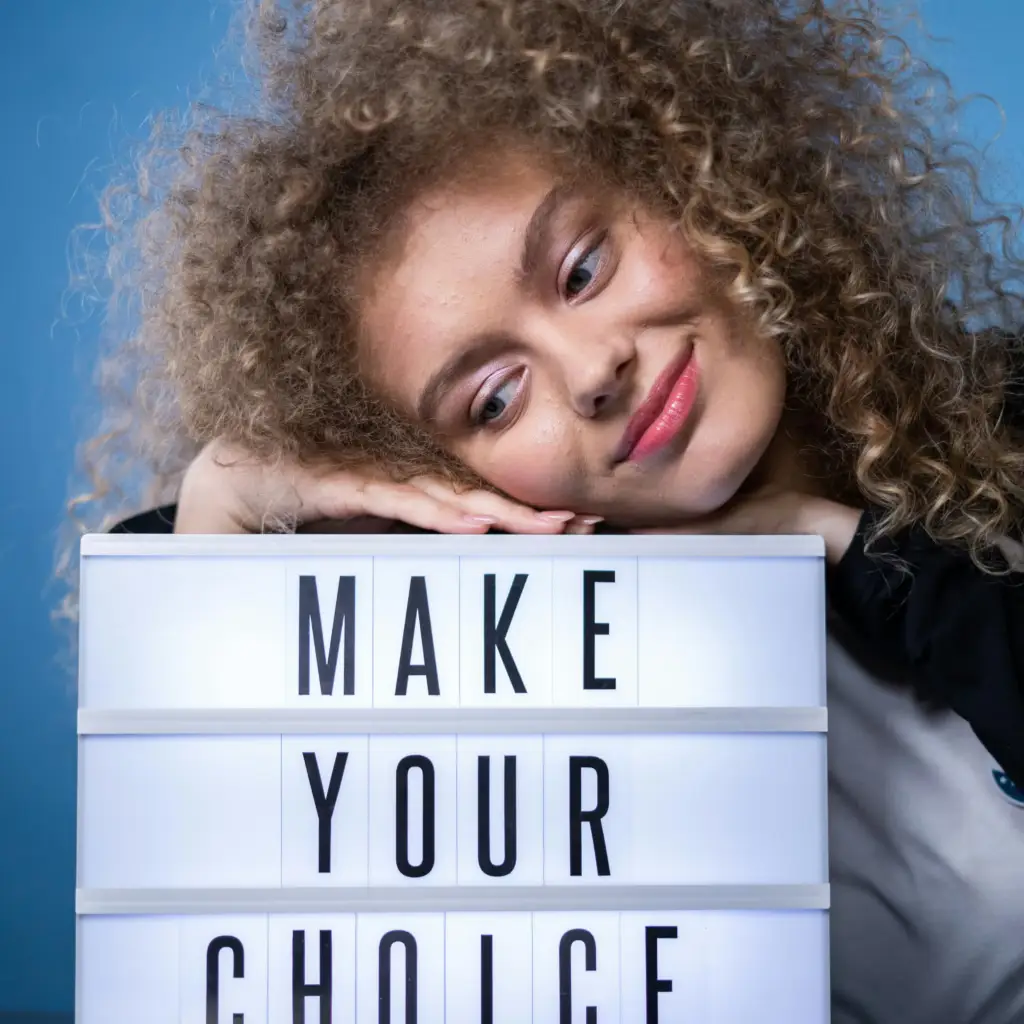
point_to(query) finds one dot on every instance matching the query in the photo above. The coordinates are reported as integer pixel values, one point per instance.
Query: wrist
(198, 510)
(835, 523)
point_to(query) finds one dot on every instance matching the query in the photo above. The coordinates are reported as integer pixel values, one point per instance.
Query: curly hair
(799, 145)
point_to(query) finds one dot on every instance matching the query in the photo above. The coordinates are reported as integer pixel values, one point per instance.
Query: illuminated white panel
(489, 968)
(505, 632)
(726, 966)
(576, 966)
(297, 974)
(400, 959)
(728, 632)
(511, 854)
(730, 967)
(179, 811)
(689, 809)
(595, 632)
(325, 785)
(412, 810)
(329, 632)
(236, 812)
(416, 632)
(207, 623)
(182, 632)
(224, 962)
(127, 970)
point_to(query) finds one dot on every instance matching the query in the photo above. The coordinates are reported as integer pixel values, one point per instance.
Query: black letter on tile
(577, 816)
(300, 989)
(495, 634)
(213, 975)
(384, 976)
(426, 865)
(483, 820)
(655, 984)
(325, 802)
(592, 629)
(486, 979)
(565, 972)
(310, 622)
(417, 609)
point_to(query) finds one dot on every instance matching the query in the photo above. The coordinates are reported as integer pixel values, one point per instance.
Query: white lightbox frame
(479, 721)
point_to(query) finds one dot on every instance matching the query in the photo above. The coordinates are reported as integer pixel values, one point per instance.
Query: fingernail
(556, 517)
(591, 520)
(481, 520)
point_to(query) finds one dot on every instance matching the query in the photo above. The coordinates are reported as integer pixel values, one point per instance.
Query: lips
(663, 412)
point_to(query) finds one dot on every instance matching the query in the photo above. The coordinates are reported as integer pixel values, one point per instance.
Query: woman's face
(563, 345)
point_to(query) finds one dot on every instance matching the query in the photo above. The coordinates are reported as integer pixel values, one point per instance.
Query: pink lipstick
(663, 413)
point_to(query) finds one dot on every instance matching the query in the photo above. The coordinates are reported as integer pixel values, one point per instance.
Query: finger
(501, 512)
(576, 529)
(583, 525)
(401, 502)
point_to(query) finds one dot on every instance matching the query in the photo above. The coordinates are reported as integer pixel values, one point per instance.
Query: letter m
(311, 628)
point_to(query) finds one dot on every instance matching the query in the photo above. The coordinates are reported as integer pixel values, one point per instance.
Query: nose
(596, 370)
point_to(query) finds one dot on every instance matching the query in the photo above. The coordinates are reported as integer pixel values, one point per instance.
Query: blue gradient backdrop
(77, 81)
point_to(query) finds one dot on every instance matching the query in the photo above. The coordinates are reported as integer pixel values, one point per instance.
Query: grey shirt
(927, 860)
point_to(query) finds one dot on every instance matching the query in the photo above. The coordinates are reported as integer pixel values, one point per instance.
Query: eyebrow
(535, 243)
(538, 231)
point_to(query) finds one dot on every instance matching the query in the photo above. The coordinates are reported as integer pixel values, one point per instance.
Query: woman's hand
(226, 490)
(780, 512)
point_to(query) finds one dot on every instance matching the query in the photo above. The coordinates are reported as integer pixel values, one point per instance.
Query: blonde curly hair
(799, 145)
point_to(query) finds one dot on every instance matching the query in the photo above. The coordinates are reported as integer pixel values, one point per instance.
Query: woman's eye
(496, 404)
(583, 272)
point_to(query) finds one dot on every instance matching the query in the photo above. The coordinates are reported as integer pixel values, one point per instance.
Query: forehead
(451, 270)
(486, 212)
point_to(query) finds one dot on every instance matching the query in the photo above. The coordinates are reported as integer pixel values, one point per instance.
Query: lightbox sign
(443, 780)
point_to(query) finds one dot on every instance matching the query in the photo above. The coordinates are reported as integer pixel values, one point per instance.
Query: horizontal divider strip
(465, 721)
(458, 546)
(451, 899)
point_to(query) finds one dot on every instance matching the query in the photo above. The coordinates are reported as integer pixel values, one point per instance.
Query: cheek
(534, 462)
(541, 486)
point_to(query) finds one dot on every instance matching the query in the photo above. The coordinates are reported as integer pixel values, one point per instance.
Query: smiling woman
(761, 184)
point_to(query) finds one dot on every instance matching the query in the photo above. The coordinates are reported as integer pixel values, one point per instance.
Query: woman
(678, 265)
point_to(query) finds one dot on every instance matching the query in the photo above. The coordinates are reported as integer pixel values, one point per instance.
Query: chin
(706, 480)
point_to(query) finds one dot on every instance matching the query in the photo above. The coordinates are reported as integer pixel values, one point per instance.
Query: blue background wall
(77, 81)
